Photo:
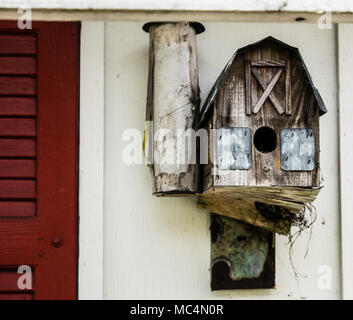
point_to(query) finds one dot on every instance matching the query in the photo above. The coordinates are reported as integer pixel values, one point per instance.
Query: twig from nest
(300, 221)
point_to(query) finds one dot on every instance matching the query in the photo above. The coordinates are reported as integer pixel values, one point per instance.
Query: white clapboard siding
(91, 166)
(345, 64)
(160, 248)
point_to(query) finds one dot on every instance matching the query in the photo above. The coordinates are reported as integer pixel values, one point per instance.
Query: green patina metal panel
(242, 255)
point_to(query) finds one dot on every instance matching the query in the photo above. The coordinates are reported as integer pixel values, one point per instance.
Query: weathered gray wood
(268, 63)
(239, 203)
(172, 105)
(231, 111)
(271, 96)
(266, 93)
(233, 193)
(288, 90)
(248, 101)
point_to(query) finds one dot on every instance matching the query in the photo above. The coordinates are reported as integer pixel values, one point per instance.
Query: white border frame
(345, 68)
(91, 162)
(204, 5)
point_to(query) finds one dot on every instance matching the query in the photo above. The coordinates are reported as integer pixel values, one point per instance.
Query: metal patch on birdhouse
(234, 148)
(297, 149)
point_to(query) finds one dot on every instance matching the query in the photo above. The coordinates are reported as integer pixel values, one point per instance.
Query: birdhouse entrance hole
(265, 139)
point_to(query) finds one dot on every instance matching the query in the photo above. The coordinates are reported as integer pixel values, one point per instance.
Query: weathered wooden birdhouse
(262, 117)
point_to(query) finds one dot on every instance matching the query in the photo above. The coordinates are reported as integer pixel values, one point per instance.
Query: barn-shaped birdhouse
(262, 118)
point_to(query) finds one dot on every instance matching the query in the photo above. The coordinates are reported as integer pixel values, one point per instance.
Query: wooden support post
(172, 106)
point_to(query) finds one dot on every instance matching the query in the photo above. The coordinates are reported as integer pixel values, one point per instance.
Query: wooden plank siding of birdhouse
(231, 111)
(266, 85)
(38, 155)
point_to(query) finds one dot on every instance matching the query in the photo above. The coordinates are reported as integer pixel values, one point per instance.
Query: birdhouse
(262, 118)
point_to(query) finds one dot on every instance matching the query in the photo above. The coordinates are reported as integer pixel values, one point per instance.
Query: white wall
(160, 248)
(345, 43)
(91, 166)
(250, 5)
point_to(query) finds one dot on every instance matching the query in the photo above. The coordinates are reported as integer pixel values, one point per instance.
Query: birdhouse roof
(213, 93)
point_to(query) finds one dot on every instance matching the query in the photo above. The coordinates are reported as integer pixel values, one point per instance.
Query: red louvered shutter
(38, 158)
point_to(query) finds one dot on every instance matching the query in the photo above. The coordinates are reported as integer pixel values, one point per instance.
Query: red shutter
(38, 158)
